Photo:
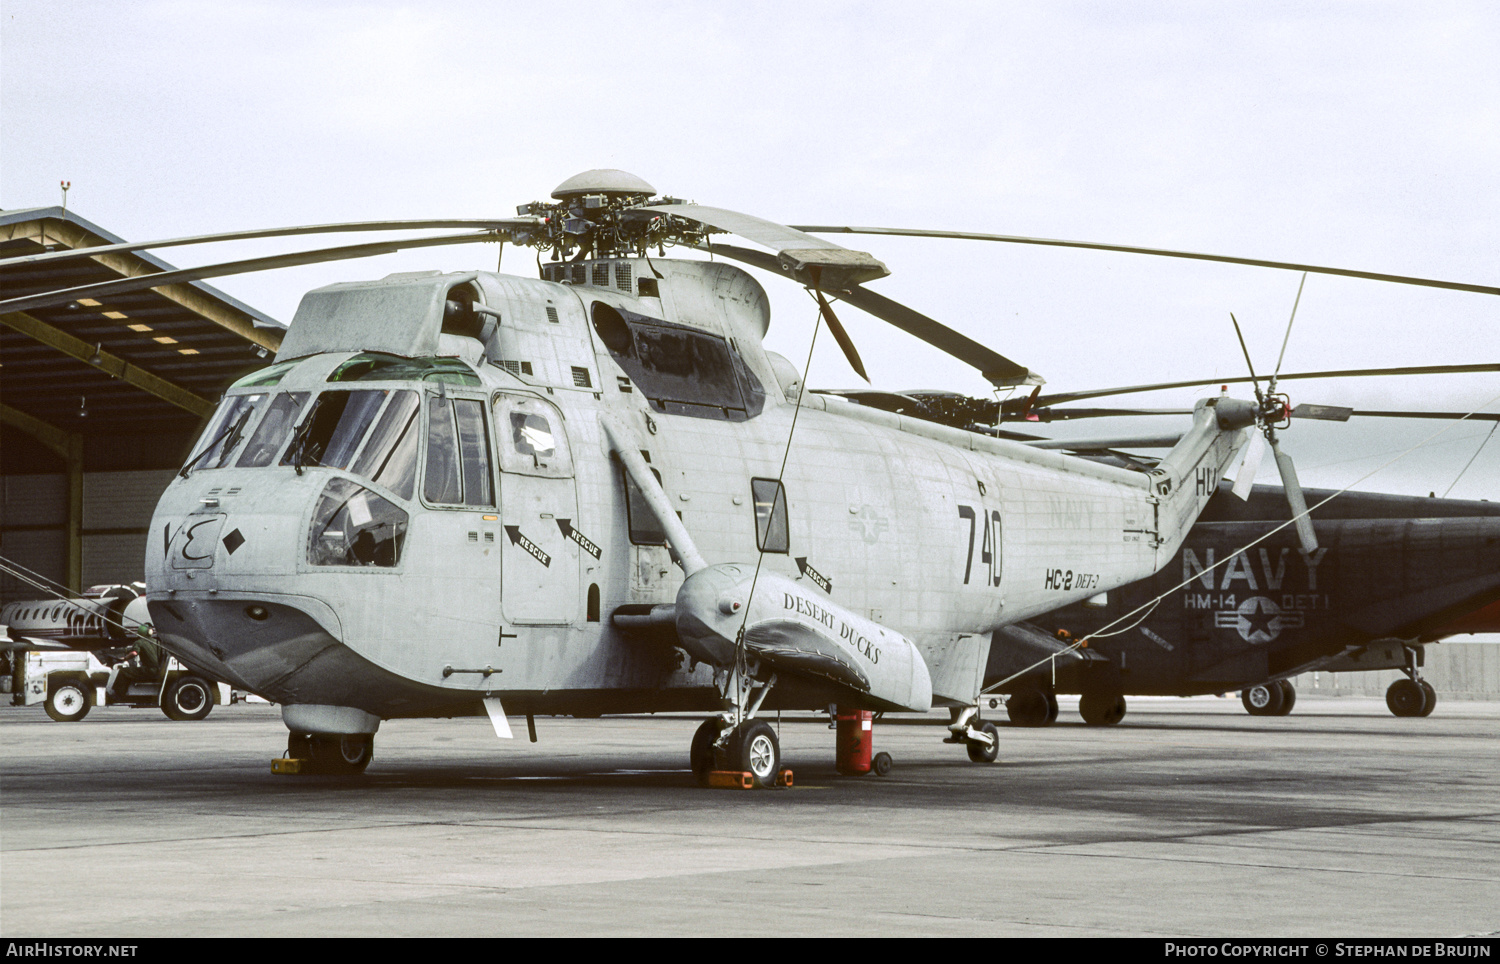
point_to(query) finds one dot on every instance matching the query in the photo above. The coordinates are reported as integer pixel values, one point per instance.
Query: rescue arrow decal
(822, 581)
(583, 541)
(531, 547)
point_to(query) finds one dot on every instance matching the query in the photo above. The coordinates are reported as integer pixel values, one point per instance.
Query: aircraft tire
(1431, 703)
(1263, 700)
(1288, 697)
(701, 754)
(188, 698)
(1101, 709)
(1051, 707)
(340, 755)
(979, 752)
(1030, 707)
(1405, 698)
(753, 748)
(881, 764)
(68, 702)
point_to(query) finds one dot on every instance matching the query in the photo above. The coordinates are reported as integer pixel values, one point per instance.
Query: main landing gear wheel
(68, 702)
(1032, 706)
(1407, 698)
(1288, 696)
(1431, 703)
(188, 698)
(1101, 709)
(753, 748)
(1264, 700)
(981, 753)
(701, 756)
(332, 755)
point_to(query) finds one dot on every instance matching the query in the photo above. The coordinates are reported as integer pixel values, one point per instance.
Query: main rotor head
(605, 213)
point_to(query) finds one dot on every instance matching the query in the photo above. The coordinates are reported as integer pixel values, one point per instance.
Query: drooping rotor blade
(837, 330)
(1295, 499)
(996, 368)
(1062, 397)
(797, 254)
(348, 226)
(1325, 413)
(1161, 252)
(140, 282)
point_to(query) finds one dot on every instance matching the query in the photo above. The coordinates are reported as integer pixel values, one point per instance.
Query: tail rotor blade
(1295, 499)
(1255, 451)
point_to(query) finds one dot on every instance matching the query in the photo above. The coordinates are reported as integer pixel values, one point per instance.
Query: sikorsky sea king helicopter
(596, 491)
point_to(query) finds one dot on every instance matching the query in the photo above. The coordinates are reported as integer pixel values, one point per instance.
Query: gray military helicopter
(595, 491)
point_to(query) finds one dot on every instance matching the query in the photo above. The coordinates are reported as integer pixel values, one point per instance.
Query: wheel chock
(731, 779)
(287, 765)
(784, 778)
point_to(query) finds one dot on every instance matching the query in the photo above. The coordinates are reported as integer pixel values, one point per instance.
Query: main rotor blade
(1326, 413)
(837, 330)
(140, 282)
(797, 254)
(1160, 252)
(1061, 397)
(338, 228)
(996, 368)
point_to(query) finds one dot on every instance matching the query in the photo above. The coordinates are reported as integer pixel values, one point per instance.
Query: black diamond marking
(233, 541)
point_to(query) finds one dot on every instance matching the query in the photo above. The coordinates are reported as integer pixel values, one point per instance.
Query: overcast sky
(1354, 135)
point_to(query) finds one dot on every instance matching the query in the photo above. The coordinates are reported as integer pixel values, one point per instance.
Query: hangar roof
(150, 363)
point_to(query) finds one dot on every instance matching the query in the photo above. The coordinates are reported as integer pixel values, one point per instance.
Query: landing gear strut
(981, 739)
(1412, 696)
(750, 746)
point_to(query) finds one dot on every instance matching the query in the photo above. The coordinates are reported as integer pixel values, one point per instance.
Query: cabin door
(538, 506)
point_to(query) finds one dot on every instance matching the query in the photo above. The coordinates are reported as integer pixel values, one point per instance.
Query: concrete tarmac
(1190, 818)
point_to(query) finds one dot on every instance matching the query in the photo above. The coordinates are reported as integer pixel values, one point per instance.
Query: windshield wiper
(234, 429)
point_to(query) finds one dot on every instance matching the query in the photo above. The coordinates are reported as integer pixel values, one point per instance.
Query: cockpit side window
(390, 455)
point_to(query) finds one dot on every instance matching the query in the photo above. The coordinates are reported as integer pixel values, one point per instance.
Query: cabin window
(458, 453)
(226, 431)
(681, 369)
(531, 437)
(770, 515)
(273, 431)
(333, 429)
(645, 530)
(353, 526)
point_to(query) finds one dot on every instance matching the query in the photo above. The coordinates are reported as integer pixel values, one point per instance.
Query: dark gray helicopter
(1242, 608)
